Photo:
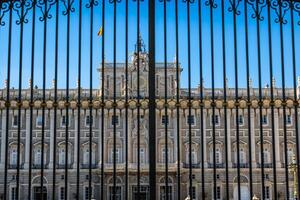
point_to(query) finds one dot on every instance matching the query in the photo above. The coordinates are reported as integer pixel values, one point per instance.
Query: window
(163, 192)
(115, 120)
(267, 192)
(87, 193)
(241, 120)
(289, 120)
(39, 121)
(13, 156)
(89, 120)
(62, 193)
(165, 119)
(163, 155)
(64, 121)
(15, 121)
(118, 195)
(194, 194)
(219, 194)
(117, 155)
(62, 156)
(265, 119)
(86, 156)
(191, 119)
(215, 120)
(13, 193)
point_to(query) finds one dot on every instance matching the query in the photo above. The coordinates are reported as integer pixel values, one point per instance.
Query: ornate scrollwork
(92, 3)
(22, 7)
(45, 7)
(68, 7)
(211, 3)
(4, 8)
(115, 1)
(184, 1)
(295, 6)
(234, 7)
(280, 8)
(257, 9)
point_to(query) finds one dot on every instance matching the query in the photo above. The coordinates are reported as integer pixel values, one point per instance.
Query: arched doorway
(245, 193)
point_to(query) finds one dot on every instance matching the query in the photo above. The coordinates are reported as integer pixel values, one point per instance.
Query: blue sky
(206, 48)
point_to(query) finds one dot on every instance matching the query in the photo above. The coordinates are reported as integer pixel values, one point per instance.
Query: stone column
(3, 138)
(229, 151)
(253, 144)
(204, 140)
(51, 139)
(277, 145)
(27, 140)
(76, 140)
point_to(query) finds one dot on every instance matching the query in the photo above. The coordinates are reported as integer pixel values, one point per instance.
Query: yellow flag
(100, 32)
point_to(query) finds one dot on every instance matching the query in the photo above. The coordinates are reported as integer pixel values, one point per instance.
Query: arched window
(13, 155)
(62, 155)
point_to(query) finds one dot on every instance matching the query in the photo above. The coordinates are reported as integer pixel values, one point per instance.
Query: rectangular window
(241, 120)
(165, 119)
(219, 195)
(265, 119)
(39, 121)
(191, 120)
(89, 120)
(289, 120)
(15, 121)
(13, 193)
(87, 193)
(62, 193)
(215, 119)
(115, 120)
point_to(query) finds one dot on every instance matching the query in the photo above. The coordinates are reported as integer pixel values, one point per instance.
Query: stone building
(119, 119)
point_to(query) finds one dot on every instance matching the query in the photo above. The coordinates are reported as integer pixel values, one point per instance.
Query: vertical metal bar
(102, 101)
(260, 100)
(20, 100)
(138, 98)
(91, 98)
(166, 101)
(248, 98)
(31, 97)
(284, 100)
(44, 98)
(225, 100)
(8, 97)
(189, 98)
(203, 132)
(152, 104)
(66, 178)
(78, 103)
(236, 99)
(213, 97)
(114, 99)
(295, 88)
(272, 98)
(55, 102)
(126, 100)
(178, 104)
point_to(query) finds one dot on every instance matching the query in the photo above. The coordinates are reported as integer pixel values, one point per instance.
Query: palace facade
(198, 144)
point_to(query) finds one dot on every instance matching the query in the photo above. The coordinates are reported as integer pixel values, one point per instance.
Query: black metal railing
(216, 102)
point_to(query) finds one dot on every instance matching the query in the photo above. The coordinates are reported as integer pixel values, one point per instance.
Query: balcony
(62, 166)
(241, 165)
(218, 165)
(87, 166)
(265, 165)
(194, 165)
